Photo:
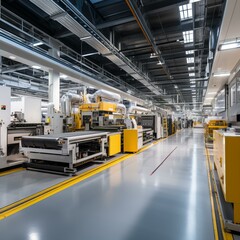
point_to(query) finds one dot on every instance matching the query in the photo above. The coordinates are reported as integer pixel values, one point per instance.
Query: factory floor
(160, 193)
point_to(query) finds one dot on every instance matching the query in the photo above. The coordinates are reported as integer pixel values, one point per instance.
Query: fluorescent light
(208, 98)
(193, 86)
(229, 45)
(185, 11)
(191, 74)
(190, 60)
(63, 76)
(12, 57)
(37, 44)
(153, 55)
(85, 38)
(190, 68)
(189, 52)
(210, 93)
(193, 1)
(159, 63)
(188, 36)
(36, 67)
(221, 74)
(175, 86)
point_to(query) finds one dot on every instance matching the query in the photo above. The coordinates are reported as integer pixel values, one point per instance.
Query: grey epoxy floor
(18, 185)
(125, 202)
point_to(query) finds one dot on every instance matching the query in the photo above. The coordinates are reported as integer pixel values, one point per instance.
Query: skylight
(188, 36)
(190, 68)
(190, 52)
(185, 11)
(190, 60)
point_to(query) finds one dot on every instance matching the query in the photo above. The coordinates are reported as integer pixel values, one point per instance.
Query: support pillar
(54, 88)
(54, 80)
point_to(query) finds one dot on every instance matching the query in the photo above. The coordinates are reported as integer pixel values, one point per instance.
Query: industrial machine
(64, 152)
(211, 126)
(153, 122)
(133, 140)
(169, 125)
(227, 164)
(165, 127)
(11, 132)
(5, 96)
(103, 112)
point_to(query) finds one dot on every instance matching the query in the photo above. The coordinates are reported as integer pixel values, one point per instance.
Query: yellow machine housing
(165, 127)
(226, 160)
(114, 144)
(213, 125)
(100, 106)
(132, 140)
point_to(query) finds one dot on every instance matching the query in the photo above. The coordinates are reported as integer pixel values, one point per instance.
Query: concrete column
(54, 80)
(54, 88)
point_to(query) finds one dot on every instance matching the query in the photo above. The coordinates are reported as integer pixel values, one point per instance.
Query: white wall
(30, 106)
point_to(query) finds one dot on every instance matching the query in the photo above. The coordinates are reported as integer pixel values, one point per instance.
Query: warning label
(3, 107)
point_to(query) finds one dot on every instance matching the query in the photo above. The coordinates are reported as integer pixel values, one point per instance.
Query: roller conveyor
(66, 149)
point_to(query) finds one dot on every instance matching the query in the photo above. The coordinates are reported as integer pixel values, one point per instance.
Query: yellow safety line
(11, 171)
(39, 196)
(211, 198)
(226, 235)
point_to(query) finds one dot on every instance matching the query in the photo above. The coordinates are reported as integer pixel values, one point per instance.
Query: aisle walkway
(129, 201)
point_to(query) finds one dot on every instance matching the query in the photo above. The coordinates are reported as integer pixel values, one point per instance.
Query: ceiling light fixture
(37, 44)
(175, 86)
(36, 67)
(229, 45)
(85, 38)
(12, 57)
(185, 11)
(189, 52)
(221, 74)
(193, 1)
(63, 76)
(188, 36)
(153, 55)
(191, 74)
(159, 63)
(190, 60)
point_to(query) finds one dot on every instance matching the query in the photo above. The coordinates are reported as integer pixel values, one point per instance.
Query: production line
(89, 127)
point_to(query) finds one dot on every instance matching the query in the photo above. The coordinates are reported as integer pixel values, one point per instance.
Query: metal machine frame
(63, 148)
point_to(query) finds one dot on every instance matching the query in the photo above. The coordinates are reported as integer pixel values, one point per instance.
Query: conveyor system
(65, 151)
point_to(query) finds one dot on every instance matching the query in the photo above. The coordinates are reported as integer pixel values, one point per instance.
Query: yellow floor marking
(211, 198)
(39, 196)
(226, 235)
(11, 171)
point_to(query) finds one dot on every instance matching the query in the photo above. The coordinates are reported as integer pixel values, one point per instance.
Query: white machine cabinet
(5, 120)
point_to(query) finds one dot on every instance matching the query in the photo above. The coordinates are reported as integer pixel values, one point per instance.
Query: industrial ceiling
(158, 50)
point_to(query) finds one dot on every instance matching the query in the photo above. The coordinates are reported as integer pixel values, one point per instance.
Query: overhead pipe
(67, 100)
(122, 108)
(138, 109)
(112, 97)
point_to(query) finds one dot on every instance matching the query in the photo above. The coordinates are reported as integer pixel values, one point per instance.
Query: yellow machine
(100, 106)
(114, 144)
(165, 127)
(133, 140)
(226, 160)
(213, 125)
